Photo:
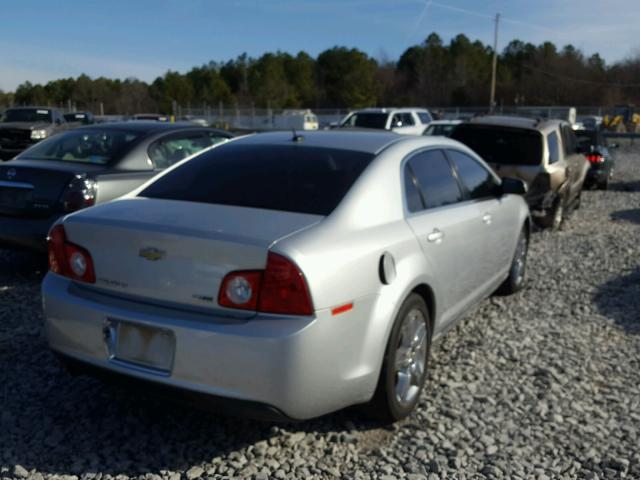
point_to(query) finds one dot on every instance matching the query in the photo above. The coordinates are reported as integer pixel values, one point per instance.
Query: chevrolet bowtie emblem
(152, 254)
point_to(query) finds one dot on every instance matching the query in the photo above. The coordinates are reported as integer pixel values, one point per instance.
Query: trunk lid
(33, 188)
(176, 253)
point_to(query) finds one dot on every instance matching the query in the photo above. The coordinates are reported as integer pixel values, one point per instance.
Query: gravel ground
(545, 384)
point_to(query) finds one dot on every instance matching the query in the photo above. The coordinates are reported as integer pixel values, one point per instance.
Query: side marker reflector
(341, 309)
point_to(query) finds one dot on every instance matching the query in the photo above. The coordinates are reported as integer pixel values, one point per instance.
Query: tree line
(433, 73)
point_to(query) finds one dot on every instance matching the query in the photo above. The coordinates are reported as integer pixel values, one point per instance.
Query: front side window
(554, 148)
(424, 117)
(407, 119)
(435, 179)
(477, 180)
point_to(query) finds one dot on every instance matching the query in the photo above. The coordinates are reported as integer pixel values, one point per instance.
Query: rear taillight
(68, 259)
(80, 193)
(595, 158)
(280, 288)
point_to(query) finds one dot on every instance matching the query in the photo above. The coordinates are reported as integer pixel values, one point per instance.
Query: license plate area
(140, 346)
(15, 197)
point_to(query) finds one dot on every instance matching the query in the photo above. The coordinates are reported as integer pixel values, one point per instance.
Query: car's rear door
(497, 228)
(446, 228)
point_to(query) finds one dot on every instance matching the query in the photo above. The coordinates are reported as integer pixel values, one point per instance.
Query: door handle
(486, 218)
(436, 236)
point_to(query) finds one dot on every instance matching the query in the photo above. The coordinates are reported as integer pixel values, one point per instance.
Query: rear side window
(554, 148)
(290, 178)
(502, 145)
(476, 179)
(434, 177)
(569, 140)
(167, 151)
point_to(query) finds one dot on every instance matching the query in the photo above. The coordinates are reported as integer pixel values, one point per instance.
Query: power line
(581, 80)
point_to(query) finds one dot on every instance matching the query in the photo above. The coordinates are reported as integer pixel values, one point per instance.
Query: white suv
(408, 121)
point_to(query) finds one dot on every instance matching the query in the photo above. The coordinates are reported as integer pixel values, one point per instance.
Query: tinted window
(407, 119)
(95, 146)
(503, 145)
(290, 178)
(412, 191)
(476, 179)
(367, 120)
(568, 140)
(435, 178)
(439, 129)
(169, 150)
(424, 117)
(31, 115)
(554, 149)
(586, 139)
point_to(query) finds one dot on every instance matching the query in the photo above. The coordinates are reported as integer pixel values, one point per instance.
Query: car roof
(144, 127)
(390, 109)
(368, 141)
(516, 122)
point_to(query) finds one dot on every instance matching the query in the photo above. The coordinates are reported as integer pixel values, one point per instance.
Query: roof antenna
(296, 137)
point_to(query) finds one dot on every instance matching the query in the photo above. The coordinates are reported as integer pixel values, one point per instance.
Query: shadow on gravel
(619, 299)
(22, 264)
(632, 215)
(625, 186)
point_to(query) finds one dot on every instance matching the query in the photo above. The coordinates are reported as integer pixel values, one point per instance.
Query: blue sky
(44, 40)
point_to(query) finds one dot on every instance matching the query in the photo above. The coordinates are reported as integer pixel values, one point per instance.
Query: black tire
(386, 404)
(555, 217)
(518, 270)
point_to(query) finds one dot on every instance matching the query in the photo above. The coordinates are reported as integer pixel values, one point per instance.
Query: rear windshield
(503, 145)
(30, 115)
(586, 139)
(290, 178)
(367, 120)
(99, 147)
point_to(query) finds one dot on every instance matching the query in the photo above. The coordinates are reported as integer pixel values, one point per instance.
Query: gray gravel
(545, 384)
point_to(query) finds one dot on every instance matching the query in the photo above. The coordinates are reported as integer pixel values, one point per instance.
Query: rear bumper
(300, 367)
(597, 174)
(25, 233)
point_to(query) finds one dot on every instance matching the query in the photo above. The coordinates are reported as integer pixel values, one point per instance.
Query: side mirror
(513, 186)
(398, 124)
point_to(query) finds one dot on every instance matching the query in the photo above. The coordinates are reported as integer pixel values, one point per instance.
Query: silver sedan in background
(287, 275)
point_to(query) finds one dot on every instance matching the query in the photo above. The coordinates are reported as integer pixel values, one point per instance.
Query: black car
(85, 166)
(79, 118)
(594, 146)
(21, 127)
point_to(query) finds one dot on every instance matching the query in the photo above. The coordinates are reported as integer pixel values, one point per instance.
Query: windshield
(287, 178)
(503, 145)
(99, 147)
(30, 115)
(366, 120)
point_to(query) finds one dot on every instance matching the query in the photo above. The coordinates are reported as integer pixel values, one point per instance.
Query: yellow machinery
(623, 120)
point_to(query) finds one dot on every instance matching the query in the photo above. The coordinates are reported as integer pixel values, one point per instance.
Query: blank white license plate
(145, 346)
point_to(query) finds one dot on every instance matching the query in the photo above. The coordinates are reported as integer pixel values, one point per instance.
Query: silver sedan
(287, 275)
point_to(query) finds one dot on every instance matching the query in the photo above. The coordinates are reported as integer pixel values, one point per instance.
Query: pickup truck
(21, 127)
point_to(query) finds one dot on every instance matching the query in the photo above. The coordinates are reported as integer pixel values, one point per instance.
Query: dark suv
(543, 153)
(21, 127)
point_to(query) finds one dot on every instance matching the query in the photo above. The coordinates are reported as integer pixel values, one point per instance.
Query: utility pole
(492, 101)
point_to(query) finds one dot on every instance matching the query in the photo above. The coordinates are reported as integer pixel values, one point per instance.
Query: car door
(497, 227)
(576, 163)
(445, 227)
